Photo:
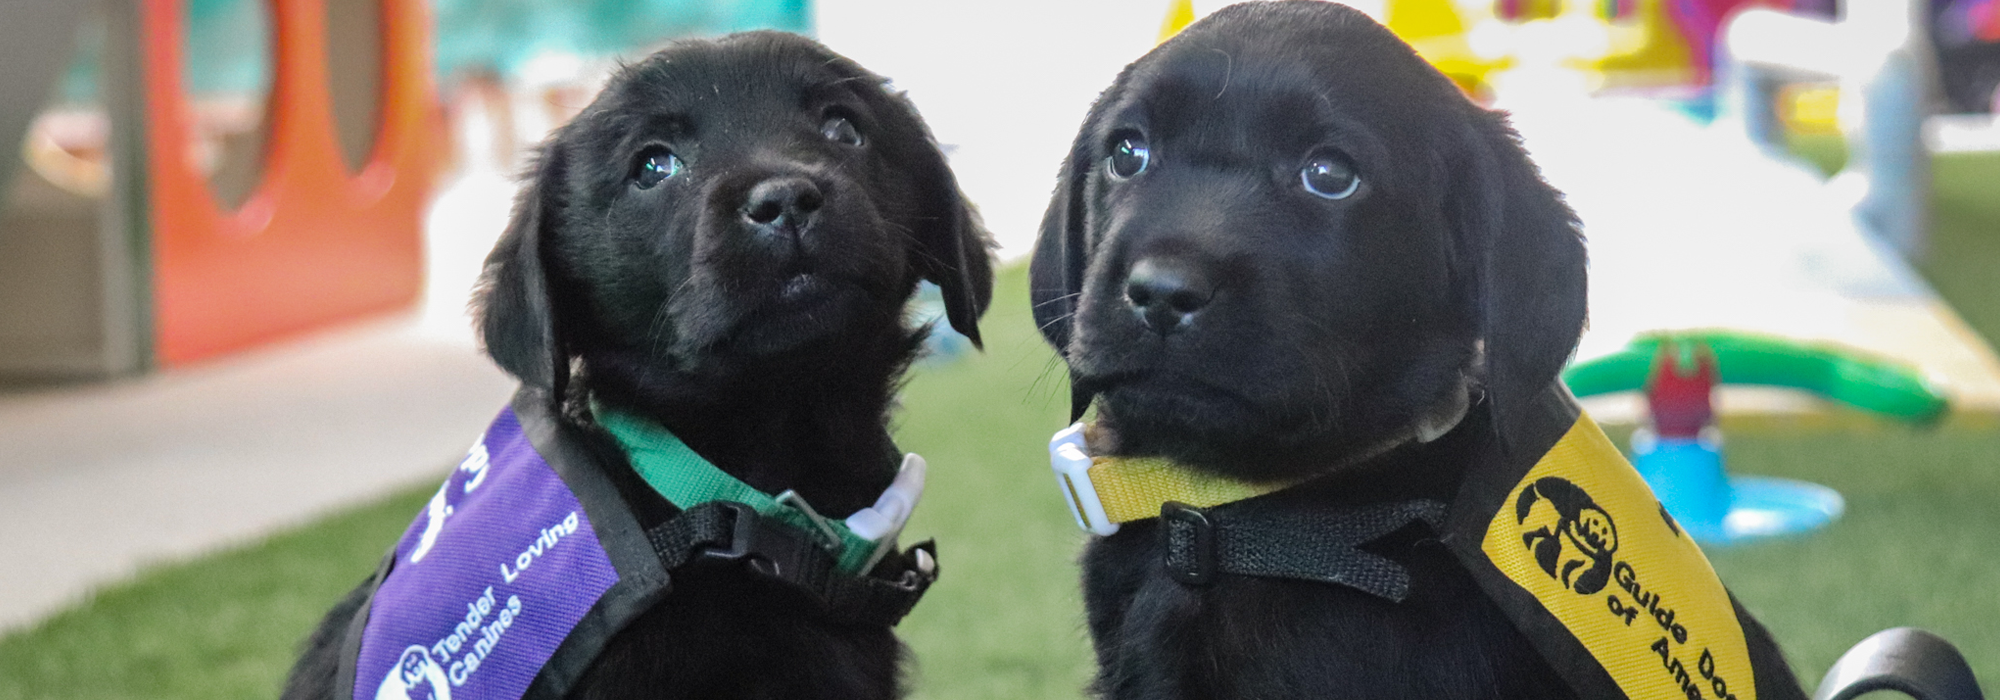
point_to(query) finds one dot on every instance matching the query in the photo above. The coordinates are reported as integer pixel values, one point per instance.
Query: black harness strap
(1249, 538)
(734, 532)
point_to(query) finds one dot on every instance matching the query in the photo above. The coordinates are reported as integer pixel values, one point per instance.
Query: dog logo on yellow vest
(1572, 538)
(1637, 595)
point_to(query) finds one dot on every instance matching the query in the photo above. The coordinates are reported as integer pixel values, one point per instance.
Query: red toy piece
(1680, 392)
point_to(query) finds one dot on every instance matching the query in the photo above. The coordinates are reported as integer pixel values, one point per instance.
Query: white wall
(1004, 82)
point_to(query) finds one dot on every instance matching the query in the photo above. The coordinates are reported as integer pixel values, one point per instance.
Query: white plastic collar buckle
(882, 522)
(1070, 458)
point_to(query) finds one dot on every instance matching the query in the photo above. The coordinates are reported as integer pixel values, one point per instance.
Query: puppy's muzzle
(782, 206)
(1167, 293)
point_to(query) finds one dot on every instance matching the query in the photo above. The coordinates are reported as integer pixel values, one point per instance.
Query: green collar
(687, 480)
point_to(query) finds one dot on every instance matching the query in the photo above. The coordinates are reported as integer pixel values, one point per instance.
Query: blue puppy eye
(1330, 176)
(1128, 157)
(656, 165)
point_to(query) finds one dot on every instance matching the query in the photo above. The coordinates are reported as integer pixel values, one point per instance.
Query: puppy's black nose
(782, 202)
(1166, 294)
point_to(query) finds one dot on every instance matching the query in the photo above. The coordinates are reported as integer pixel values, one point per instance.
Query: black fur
(1337, 337)
(771, 346)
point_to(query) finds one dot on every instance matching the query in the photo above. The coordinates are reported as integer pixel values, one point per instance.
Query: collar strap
(1309, 544)
(734, 533)
(1201, 539)
(1103, 492)
(687, 480)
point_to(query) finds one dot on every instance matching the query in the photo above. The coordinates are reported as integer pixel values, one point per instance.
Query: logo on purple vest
(494, 573)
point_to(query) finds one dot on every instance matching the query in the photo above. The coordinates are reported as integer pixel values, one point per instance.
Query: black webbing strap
(1316, 544)
(734, 532)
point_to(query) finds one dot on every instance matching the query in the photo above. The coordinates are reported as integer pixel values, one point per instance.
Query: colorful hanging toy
(1680, 452)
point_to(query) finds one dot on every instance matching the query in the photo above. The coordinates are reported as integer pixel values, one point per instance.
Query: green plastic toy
(1679, 450)
(1881, 386)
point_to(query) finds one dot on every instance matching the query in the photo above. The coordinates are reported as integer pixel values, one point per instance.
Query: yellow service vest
(1572, 545)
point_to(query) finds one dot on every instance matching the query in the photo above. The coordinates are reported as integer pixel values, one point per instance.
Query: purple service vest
(487, 583)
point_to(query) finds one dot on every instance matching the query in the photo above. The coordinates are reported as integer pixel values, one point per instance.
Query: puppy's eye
(1128, 157)
(840, 130)
(655, 165)
(1330, 176)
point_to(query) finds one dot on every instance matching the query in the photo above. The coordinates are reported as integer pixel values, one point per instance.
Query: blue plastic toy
(1680, 452)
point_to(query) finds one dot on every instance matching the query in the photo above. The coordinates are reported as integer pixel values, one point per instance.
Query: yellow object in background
(1524, 10)
(1646, 51)
(1813, 109)
(1179, 15)
(1437, 31)
(1424, 20)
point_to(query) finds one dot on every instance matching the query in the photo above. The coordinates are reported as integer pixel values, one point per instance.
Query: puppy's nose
(782, 202)
(1166, 294)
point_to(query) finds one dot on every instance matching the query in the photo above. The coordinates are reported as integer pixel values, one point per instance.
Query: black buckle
(1188, 538)
(743, 540)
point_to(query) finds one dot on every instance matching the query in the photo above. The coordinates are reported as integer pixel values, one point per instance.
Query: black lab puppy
(1283, 247)
(723, 243)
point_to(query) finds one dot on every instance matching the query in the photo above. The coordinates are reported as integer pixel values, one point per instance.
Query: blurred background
(238, 239)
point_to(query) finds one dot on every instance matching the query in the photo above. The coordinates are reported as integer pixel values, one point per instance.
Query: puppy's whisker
(1056, 320)
(656, 330)
(1315, 419)
(1049, 369)
(1061, 298)
(908, 236)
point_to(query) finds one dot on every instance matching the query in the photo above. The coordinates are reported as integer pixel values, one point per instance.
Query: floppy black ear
(1528, 260)
(1055, 275)
(516, 319)
(953, 249)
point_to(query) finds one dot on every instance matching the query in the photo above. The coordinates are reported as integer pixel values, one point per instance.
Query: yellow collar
(1103, 492)
(1571, 544)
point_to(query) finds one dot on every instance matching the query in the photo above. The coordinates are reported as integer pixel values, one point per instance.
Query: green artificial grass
(223, 626)
(1914, 549)
(1005, 621)
(1963, 262)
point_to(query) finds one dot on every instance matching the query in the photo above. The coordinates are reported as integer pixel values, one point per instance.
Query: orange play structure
(313, 243)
